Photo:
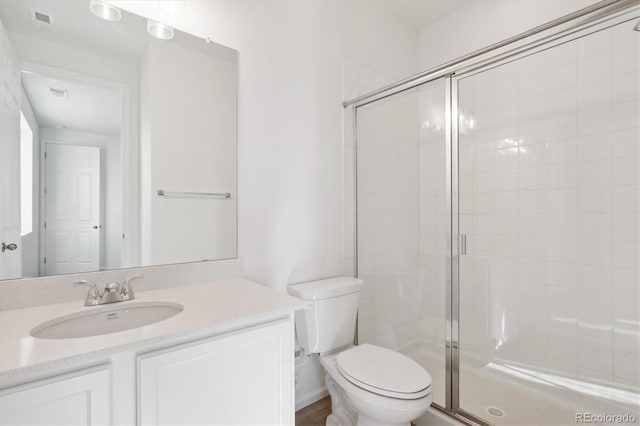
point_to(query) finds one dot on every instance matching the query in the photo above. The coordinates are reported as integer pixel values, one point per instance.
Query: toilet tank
(331, 322)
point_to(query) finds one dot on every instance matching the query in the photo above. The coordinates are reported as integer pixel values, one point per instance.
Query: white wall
(290, 119)
(481, 23)
(111, 185)
(31, 241)
(42, 51)
(188, 143)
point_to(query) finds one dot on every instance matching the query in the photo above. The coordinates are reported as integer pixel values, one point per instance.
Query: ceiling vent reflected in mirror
(60, 93)
(105, 11)
(41, 20)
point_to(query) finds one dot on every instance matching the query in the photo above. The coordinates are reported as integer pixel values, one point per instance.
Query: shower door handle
(462, 244)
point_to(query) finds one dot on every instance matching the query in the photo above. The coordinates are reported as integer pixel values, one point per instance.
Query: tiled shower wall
(388, 222)
(549, 198)
(388, 205)
(434, 218)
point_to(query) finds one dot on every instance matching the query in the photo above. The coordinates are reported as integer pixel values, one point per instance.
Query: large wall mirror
(118, 141)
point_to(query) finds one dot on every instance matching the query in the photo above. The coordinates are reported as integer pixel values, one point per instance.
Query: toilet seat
(384, 372)
(371, 405)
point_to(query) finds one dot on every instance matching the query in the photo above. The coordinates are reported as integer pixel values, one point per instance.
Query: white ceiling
(88, 108)
(420, 13)
(74, 25)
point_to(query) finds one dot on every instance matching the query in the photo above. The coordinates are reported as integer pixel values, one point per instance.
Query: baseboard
(311, 397)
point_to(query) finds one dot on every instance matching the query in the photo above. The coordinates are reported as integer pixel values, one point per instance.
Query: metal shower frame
(570, 27)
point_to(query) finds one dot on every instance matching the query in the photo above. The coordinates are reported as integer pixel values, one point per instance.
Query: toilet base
(342, 412)
(366, 421)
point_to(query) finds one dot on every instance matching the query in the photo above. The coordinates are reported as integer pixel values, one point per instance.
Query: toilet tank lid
(325, 289)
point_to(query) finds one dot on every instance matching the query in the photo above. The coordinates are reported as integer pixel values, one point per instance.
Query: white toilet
(369, 385)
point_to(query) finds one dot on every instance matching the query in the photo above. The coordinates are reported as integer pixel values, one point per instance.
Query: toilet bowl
(372, 398)
(369, 385)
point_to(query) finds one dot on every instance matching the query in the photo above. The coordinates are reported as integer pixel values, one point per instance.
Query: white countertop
(209, 309)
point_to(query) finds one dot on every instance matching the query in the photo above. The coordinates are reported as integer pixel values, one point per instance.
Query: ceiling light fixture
(105, 11)
(158, 30)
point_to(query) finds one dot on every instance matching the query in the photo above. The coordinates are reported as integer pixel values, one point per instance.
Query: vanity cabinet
(244, 378)
(82, 398)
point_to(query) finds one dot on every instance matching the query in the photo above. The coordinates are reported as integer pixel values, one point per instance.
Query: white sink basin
(105, 320)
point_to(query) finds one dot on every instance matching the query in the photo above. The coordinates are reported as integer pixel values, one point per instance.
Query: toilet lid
(384, 372)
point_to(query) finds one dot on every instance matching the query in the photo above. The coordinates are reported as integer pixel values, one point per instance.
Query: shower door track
(570, 27)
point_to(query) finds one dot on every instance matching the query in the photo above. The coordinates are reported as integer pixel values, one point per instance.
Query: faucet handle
(127, 291)
(93, 297)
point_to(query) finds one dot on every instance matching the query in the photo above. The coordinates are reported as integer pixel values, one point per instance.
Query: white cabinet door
(241, 379)
(82, 399)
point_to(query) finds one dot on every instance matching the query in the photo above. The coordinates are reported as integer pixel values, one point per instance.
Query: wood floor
(315, 414)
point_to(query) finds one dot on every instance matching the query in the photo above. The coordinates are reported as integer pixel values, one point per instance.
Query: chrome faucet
(112, 292)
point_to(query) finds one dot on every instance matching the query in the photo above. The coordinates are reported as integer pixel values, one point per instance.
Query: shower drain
(496, 412)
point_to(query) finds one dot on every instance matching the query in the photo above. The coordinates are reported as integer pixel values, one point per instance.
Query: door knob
(97, 226)
(10, 247)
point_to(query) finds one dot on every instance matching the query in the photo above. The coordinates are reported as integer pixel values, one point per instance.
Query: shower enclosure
(497, 223)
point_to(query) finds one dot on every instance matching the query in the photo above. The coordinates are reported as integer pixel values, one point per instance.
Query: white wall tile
(561, 348)
(561, 151)
(625, 59)
(626, 369)
(594, 251)
(626, 337)
(626, 254)
(561, 176)
(596, 278)
(532, 132)
(594, 173)
(625, 143)
(595, 225)
(561, 77)
(595, 357)
(626, 226)
(561, 55)
(625, 171)
(531, 178)
(625, 115)
(560, 274)
(596, 120)
(595, 44)
(625, 87)
(594, 94)
(561, 127)
(596, 199)
(594, 147)
(563, 225)
(594, 68)
(594, 330)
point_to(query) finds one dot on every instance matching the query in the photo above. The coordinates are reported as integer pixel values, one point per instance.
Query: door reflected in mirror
(118, 147)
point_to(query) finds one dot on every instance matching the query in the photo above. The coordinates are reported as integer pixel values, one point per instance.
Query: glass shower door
(402, 226)
(548, 200)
